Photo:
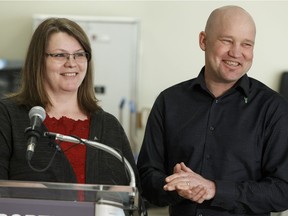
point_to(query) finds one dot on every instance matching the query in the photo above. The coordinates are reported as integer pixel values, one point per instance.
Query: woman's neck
(65, 107)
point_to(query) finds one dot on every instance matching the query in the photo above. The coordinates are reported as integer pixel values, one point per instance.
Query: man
(218, 144)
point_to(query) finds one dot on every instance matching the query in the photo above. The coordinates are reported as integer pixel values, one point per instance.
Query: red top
(75, 153)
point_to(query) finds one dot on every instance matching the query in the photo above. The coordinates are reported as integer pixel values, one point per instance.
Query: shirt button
(200, 214)
(212, 128)
(208, 156)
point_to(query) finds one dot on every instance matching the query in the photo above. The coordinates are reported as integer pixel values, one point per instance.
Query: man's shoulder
(265, 94)
(258, 86)
(183, 85)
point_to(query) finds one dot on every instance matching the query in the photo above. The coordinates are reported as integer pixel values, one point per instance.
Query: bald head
(228, 42)
(229, 14)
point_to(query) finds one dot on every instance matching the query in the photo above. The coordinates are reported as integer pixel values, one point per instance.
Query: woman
(57, 75)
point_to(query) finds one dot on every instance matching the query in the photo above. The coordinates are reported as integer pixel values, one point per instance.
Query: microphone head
(37, 111)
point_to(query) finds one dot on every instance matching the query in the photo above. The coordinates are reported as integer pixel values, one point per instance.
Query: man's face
(228, 47)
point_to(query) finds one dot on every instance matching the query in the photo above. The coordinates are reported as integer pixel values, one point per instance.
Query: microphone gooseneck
(97, 145)
(37, 115)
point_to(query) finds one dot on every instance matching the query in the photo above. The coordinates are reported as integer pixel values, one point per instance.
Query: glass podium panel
(61, 199)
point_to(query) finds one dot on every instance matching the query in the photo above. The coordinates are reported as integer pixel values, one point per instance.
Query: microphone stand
(103, 147)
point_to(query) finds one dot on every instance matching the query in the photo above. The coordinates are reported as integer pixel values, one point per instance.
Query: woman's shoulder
(104, 123)
(11, 105)
(11, 111)
(105, 120)
(102, 115)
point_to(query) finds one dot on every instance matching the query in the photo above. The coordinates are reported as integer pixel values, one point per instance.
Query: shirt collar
(242, 84)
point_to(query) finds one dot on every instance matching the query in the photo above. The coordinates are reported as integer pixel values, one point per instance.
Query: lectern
(24, 198)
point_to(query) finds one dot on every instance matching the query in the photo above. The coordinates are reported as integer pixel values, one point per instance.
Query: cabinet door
(114, 46)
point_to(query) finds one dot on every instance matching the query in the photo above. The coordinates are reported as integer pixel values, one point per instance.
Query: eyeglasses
(79, 57)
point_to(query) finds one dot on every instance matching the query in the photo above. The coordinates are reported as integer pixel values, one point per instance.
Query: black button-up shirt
(238, 140)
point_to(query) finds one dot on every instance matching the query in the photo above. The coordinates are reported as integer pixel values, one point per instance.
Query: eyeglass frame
(67, 56)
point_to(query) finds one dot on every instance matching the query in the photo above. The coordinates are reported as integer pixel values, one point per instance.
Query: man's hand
(189, 184)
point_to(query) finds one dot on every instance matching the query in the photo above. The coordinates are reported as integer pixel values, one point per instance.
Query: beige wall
(169, 36)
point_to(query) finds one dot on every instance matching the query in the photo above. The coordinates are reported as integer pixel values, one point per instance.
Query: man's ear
(202, 40)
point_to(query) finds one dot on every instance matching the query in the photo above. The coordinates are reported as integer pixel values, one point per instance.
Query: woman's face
(64, 74)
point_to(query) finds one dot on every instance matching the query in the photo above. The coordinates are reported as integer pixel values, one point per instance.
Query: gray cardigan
(101, 167)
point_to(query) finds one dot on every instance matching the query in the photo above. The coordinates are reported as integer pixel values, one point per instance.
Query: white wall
(169, 36)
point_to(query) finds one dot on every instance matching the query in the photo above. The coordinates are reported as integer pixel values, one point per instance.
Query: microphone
(37, 115)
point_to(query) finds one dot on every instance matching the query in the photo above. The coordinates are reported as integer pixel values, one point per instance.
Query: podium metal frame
(61, 199)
